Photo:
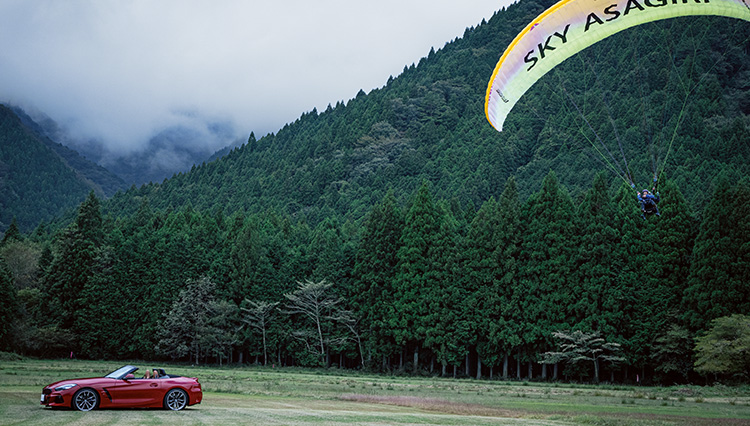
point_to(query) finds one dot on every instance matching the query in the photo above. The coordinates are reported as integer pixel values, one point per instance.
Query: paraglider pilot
(648, 201)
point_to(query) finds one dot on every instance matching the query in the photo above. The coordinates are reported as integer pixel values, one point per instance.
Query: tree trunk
(544, 372)
(531, 371)
(445, 370)
(596, 370)
(265, 348)
(416, 359)
(643, 374)
(468, 373)
(361, 353)
(505, 366)
(554, 371)
(479, 367)
(518, 365)
(322, 346)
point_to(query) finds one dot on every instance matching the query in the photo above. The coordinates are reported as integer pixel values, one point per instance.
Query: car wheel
(175, 399)
(85, 399)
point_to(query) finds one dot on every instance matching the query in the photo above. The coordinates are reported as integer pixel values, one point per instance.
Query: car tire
(85, 399)
(175, 399)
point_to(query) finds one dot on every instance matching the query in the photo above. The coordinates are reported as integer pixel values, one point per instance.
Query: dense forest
(400, 232)
(431, 286)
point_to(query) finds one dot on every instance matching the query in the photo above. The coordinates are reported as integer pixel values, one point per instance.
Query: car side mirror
(129, 376)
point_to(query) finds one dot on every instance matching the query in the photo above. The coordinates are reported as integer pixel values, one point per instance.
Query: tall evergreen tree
(596, 304)
(662, 270)
(480, 272)
(449, 321)
(652, 264)
(134, 257)
(250, 274)
(8, 306)
(106, 324)
(375, 271)
(415, 275)
(547, 247)
(76, 265)
(328, 253)
(12, 233)
(506, 326)
(720, 271)
(632, 254)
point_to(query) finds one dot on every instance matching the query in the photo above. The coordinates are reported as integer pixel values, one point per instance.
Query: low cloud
(121, 72)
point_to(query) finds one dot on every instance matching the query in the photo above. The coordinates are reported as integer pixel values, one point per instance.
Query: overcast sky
(121, 71)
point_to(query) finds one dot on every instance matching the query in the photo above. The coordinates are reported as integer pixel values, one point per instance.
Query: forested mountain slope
(675, 90)
(40, 179)
(102, 180)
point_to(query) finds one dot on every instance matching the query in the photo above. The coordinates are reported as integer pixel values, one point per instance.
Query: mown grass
(257, 395)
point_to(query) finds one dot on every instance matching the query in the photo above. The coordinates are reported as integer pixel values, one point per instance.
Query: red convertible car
(121, 388)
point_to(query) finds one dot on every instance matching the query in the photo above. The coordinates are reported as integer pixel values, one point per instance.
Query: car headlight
(66, 387)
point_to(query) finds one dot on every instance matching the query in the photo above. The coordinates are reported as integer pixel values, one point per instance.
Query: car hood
(82, 382)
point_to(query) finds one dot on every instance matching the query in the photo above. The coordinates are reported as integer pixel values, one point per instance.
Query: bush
(10, 356)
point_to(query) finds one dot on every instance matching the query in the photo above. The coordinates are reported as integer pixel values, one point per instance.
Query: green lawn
(255, 395)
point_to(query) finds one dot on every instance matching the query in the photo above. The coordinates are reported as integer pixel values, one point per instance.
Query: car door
(136, 392)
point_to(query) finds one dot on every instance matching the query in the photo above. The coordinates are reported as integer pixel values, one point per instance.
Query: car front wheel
(175, 399)
(85, 400)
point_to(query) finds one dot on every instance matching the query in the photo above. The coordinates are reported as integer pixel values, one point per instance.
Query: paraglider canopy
(572, 25)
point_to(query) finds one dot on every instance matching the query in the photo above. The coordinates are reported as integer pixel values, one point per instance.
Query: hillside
(41, 179)
(104, 182)
(685, 100)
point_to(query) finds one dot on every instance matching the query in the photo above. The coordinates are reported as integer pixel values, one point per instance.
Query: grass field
(265, 396)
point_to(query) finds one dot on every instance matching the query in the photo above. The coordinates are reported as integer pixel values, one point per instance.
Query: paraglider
(572, 25)
(648, 201)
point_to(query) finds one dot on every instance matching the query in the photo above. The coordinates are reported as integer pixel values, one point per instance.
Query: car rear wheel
(175, 399)
(85, 399)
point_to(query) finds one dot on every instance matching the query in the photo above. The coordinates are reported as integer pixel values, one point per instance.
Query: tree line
(428, 287)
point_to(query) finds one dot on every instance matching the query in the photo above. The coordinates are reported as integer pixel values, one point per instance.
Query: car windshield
(120, 372)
